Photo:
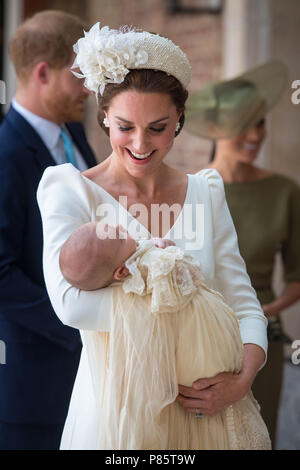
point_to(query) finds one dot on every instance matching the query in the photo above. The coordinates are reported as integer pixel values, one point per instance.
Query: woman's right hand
(163, 243)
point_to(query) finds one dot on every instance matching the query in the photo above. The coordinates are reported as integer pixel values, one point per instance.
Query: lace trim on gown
(171, 276)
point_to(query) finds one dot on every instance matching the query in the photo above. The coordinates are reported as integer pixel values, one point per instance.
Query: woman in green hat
(265, 206)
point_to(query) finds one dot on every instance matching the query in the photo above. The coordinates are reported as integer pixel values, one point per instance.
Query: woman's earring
(177, 128)
(105, 122)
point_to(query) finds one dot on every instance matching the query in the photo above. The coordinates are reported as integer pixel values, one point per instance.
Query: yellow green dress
(266, 215)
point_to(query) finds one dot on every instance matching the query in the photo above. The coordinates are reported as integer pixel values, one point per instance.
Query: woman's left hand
(270, 310)
(212, 395)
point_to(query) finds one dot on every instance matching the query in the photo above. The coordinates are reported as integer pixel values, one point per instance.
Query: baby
(167, 328)
(94, 255)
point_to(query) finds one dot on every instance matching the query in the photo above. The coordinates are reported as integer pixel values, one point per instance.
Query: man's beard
(63, 108)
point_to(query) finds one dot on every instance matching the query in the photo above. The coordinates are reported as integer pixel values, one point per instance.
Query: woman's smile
(251, 146)
(140, 158)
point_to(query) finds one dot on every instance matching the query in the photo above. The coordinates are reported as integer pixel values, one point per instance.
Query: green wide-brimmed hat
(228, 108)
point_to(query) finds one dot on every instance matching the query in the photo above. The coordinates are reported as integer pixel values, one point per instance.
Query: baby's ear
(120, 272)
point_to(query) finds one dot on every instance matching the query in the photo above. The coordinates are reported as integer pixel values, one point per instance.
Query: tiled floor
(288, 432)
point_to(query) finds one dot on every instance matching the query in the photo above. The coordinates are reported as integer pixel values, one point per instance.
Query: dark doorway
(1, 54)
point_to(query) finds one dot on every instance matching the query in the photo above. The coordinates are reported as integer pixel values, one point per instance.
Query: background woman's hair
(145, 81)
(213, 151)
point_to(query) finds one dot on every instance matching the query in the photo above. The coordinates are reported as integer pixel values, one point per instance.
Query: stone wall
(200, 37)
(284, 147)
(256, 32)
(285, 45)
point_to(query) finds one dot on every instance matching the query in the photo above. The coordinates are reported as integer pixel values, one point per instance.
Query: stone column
(13, 11)
(235, 37)
(247, 29)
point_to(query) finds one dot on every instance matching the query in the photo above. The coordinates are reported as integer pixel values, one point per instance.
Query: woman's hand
(290, 295)
(270, 310)
(162, 242)
(212, 395)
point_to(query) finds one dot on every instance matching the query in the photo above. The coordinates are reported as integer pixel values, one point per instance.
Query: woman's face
(246, 147)
(142, 129)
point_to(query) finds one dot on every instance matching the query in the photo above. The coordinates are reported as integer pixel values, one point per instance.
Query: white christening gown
(168, 328)
(68, 200)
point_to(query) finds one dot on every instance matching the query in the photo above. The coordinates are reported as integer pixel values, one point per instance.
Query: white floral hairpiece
(106, 55)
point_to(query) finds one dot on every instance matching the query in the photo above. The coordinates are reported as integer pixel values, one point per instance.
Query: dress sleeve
(290, 248)
(64, 206)
(231, 275)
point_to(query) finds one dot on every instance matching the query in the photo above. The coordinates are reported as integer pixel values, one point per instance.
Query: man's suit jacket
(42, 354)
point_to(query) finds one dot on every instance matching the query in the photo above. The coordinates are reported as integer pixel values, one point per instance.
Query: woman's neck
(147, 186)
(235, 171)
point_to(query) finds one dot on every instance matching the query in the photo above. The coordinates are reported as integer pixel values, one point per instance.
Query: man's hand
(163, 243)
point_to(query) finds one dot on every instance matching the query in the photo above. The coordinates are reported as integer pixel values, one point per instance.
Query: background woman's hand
(290, 295)
(212, 395)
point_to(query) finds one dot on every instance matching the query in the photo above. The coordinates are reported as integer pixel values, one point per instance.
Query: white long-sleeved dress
(203, 228)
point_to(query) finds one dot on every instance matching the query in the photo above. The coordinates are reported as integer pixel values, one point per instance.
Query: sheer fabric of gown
(167, 328)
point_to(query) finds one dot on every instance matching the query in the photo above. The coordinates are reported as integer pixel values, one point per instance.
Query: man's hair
(47, 36)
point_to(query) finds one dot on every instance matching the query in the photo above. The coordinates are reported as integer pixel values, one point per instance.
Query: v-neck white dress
(203, 228)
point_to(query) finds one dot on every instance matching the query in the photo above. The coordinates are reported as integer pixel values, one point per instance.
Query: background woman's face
(142, 129)
(246, 147)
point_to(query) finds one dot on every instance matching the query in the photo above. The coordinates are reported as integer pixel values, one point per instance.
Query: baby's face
(119, 245)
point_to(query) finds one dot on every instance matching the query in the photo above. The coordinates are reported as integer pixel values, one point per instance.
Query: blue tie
(70, 154)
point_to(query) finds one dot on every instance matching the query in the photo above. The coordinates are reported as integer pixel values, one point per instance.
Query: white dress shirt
(49, 132)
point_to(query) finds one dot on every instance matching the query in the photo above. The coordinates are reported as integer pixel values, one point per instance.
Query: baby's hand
(163, 243)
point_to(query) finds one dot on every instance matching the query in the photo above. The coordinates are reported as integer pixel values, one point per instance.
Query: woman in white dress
(140, 80)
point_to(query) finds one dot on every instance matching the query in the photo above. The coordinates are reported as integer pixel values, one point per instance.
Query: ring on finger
(197, 414)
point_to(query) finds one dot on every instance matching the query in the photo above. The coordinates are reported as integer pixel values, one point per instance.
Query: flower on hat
(106, 55)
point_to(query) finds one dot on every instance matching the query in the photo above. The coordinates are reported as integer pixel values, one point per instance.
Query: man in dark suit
(41, 354)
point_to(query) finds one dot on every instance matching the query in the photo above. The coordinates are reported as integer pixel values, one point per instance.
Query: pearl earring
(177, 128)
(105, 122)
